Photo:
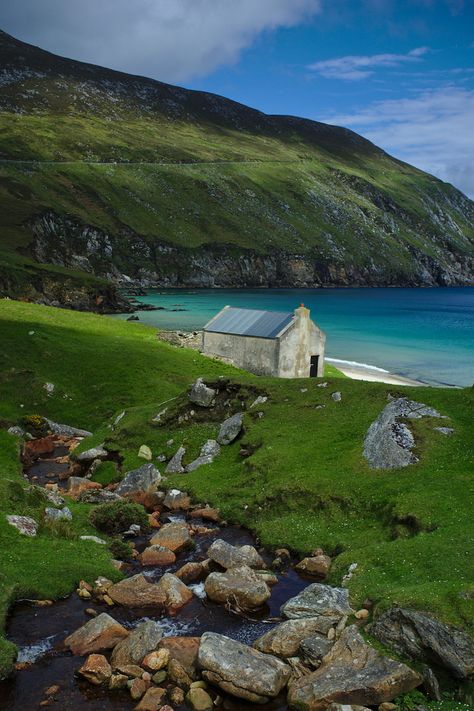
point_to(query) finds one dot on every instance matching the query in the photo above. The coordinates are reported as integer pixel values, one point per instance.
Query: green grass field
(305, 484)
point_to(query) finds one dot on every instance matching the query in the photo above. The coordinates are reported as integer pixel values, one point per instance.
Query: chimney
(302, 312)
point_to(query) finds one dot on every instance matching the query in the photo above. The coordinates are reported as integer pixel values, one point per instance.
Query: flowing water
(424, 334)
(39, 632)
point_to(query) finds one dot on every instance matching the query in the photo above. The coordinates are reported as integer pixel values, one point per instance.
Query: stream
(39, 632)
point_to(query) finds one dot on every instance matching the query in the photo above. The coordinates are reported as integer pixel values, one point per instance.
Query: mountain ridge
(113, 176)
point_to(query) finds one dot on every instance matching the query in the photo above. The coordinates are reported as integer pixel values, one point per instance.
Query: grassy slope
(306, 484)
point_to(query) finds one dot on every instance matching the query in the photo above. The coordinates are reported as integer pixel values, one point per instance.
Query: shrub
(36, 425)
(118, 516)
(120, 549)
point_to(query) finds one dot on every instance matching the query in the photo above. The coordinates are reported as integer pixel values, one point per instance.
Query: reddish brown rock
(96, 669)
(157, 555)
(207, 514)
(137, 689)
(101, 632)
(137, 592)
(174, 536)
(152, 700)
(191, 572)
(317, 565)
(76, 485)
(36, 447)
(177, 594)
(184, 650)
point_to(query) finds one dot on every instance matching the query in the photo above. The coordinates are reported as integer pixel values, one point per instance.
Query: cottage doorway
(313, 368)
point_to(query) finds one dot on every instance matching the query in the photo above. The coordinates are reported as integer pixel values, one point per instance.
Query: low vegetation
(118, 517)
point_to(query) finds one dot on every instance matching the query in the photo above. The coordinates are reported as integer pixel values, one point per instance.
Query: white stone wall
(257, 355)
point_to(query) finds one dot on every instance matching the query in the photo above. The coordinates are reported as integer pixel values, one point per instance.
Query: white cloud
(354, 67)
(432, 131)
(171, 40)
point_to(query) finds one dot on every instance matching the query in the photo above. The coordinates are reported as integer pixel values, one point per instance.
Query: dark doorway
(313, 368)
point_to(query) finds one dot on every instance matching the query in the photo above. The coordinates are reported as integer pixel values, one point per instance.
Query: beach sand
(361, 371)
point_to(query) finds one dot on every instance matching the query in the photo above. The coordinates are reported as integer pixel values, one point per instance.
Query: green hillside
(108, 174)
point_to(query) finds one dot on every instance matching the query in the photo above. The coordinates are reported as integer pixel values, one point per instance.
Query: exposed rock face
(237, 585)
(285, 639)
(230, 429)
(201, 395)
(96, 669)
(102, 632)
(26, 525)
(143, 480)
(389, 442)
(352, 673)
(174, 536)
(142, 640)
(229, 556)
(318, 599)
(240, 670)
(137, 592)
(421, 637)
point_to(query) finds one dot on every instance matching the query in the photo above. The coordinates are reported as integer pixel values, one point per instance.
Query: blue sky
(400, 72)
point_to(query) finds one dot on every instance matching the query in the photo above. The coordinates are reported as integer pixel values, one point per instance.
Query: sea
(424, 334)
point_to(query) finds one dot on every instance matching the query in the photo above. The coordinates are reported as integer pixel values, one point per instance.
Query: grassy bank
(303, 484)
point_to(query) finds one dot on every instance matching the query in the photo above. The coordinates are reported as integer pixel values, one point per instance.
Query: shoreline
(371, 373)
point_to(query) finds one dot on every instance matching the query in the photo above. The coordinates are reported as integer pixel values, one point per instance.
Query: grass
(304, 485)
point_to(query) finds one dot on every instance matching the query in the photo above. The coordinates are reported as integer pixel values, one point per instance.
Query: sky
(399, 72)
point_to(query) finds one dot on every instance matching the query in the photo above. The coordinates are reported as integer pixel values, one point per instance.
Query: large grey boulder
(241, 586)
(389, 441)
(230, 428)
(26, 525)
(208, 453)
(58, 514)
(175, 464)
(142, 640)
(229, 556)
(318, 599)
(145, 479)
(285, 639)
(200, 394)
(60, 429)
(240, 670)
(352, 673)
(422, 638)
(314, 648)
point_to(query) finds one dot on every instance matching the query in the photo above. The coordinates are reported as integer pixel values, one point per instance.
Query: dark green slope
(105, 174)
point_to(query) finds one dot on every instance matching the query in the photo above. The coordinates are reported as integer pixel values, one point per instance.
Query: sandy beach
(361, 371)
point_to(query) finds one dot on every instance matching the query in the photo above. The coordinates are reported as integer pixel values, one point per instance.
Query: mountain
(108, 178)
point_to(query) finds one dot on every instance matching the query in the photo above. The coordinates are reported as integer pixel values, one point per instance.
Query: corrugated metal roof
(249, 322)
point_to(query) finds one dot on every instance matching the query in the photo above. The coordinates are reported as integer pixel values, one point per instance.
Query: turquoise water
(425, 334)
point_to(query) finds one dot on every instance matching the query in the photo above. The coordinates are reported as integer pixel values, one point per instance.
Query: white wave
(354, 363)
(33, 652)
(198, 590)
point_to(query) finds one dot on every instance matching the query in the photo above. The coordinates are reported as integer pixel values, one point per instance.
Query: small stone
(137, 689)
(130, 670)
(230, 429)
(58, 514)
(152, 700)
(388, 706)
(52, 690)
(176, 696)
(156, 660)
(145, 453)
(317, 565)
(91, 612)
(118, 681)
(336, 396)
(199, 699)
(96, 669)
(178, 674)
(362, 614)
(159, 677)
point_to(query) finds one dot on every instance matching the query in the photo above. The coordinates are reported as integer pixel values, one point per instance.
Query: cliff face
(107, 175)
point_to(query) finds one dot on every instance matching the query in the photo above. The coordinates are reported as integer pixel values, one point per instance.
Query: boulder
(157, 555)
(192, 572)
(240, 670)
(230, 428)
(201, 395)
(16, 431)
(145, 453)
(199, 699)
(314, 648)
(90, 454)
(207, 514)
(93, 539)
(239, 585)
(208, 453)
(152, 700)
(96, 669)
(229, 556)
(60, 429)
(176, 593)
(142, 640)
(184, 650)
(76, 485)
(58, 514)
(175, 465)
(423, 638)
(317, 565)
(174, 536)
(143, 480)
(137, 591)
(318, 599)
(177, 500)
(101, 632)
(352, 673)
(284, 640)
(26, 525)
(389, 442)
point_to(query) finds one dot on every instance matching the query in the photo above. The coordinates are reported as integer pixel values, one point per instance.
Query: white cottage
(285, 345)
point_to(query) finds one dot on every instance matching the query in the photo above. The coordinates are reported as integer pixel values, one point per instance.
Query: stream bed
(39, 631)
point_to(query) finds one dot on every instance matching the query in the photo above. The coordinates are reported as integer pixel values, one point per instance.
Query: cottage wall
(257, 355)
(301, 341)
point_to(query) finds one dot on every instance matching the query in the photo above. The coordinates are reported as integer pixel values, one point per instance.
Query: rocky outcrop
(389, 441)
(240, 670)
(200, 394)
(139, 481)
(285, 639)
(318, 599)
(421, 637)
(352, 673)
